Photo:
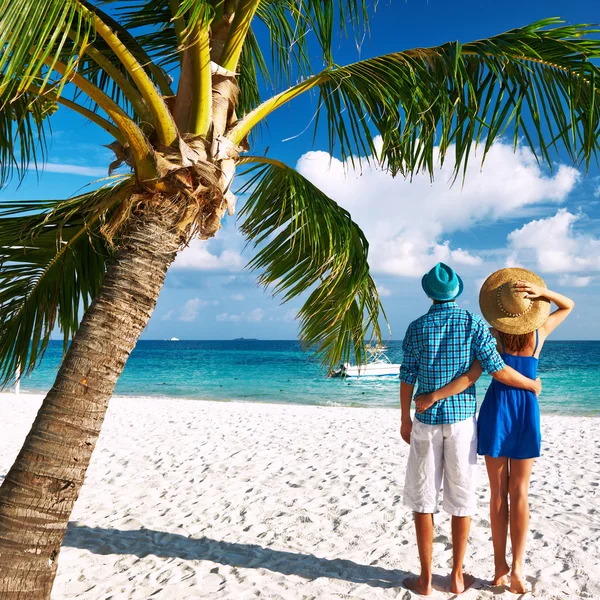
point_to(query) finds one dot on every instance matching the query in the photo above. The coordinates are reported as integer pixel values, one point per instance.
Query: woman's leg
(518, 489)
(497, 469)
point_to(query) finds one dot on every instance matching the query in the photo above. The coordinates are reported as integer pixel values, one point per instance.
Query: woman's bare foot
(459, 582)
(517, 583)
(420, 585)
(500, 576)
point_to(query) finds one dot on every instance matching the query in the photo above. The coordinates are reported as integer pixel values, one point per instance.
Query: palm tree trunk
(38, 494)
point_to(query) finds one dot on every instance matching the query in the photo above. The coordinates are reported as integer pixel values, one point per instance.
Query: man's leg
(423, 482)
(460, 537)
(518, 490)
(424, 531)
(460, 470)
(497, 469)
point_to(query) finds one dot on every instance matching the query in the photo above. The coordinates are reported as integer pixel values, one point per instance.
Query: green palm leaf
(252, 70)
(289, 25)
(424, 101)
(134, 45)
(52, 263)
(23, 127)
(34, 35)
(308, 243)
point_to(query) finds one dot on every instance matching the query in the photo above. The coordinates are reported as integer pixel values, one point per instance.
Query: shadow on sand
(146, 542)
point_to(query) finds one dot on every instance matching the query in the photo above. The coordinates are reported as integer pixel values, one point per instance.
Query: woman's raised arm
(564, 305)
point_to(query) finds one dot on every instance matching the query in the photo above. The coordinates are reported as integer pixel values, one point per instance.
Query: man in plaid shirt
(438, 347)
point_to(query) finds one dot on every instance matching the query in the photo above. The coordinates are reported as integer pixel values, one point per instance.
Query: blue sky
(511, 212)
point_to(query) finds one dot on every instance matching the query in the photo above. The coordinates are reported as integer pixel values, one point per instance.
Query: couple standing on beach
(445, 352)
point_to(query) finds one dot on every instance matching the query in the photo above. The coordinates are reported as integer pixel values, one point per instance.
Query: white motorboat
(173, 339)
(378, 365)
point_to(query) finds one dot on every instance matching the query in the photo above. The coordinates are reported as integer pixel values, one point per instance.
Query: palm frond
(134, 45)
(288, 27)
(308, 243)
(541, 79)
(34, 35)
(100, 66)
(351, 16)
(424, 101)
(252, 70)
(291, 25)
(153, 20)
(23, 128)
(52, 263)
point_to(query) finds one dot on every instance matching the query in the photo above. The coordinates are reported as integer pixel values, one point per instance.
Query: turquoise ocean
(281, 372)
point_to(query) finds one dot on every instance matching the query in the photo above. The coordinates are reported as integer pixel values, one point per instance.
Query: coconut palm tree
(180, 142)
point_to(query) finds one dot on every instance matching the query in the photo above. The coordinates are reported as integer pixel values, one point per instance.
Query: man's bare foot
(517, 583)
(459, 582)
(500, 576)
(420, 585)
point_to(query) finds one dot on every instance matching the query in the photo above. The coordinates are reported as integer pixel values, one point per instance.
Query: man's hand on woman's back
(509, 376)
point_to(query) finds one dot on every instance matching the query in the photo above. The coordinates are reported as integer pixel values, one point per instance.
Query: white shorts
(442, 450)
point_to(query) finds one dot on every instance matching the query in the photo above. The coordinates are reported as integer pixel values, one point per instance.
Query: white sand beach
(188, 499)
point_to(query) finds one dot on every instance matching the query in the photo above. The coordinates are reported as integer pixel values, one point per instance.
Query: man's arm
(409, 372)
(456, 386)
(406, 395)
(484, 344)
(509, 376)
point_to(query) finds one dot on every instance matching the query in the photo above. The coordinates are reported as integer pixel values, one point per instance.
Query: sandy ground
(192, 499)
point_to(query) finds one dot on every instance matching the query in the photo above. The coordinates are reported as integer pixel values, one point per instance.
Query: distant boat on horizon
(173, 339)
(245, 339)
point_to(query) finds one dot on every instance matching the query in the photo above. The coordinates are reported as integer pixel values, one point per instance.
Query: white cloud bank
(554, 246)
(254, 316)
(406, 222)
(74, 169)
(198, 256)
(191, 309)
(383, 291)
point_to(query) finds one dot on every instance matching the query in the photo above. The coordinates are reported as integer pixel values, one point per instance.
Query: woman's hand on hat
(531, 290)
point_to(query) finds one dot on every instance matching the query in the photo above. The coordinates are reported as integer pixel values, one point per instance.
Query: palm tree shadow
(144, 542)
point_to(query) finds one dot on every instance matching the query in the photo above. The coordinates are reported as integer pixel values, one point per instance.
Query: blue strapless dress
(509, 418)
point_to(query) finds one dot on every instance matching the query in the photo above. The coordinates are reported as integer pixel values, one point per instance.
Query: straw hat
(510, 311)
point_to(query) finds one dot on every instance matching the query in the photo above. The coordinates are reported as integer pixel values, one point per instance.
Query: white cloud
(512, 261)
(384, 291)
(554, 246)
(191, 309)
(197, 256)
(407, 223)
(254, 316)
(257, 315)
(291, 314)
(238, 297)
(574, 281)
(167, 316)
(74, 169)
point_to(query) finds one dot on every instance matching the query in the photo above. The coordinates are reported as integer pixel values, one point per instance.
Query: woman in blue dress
(516, 303)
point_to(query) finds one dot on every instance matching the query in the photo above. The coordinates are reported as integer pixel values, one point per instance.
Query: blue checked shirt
(440, 346)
